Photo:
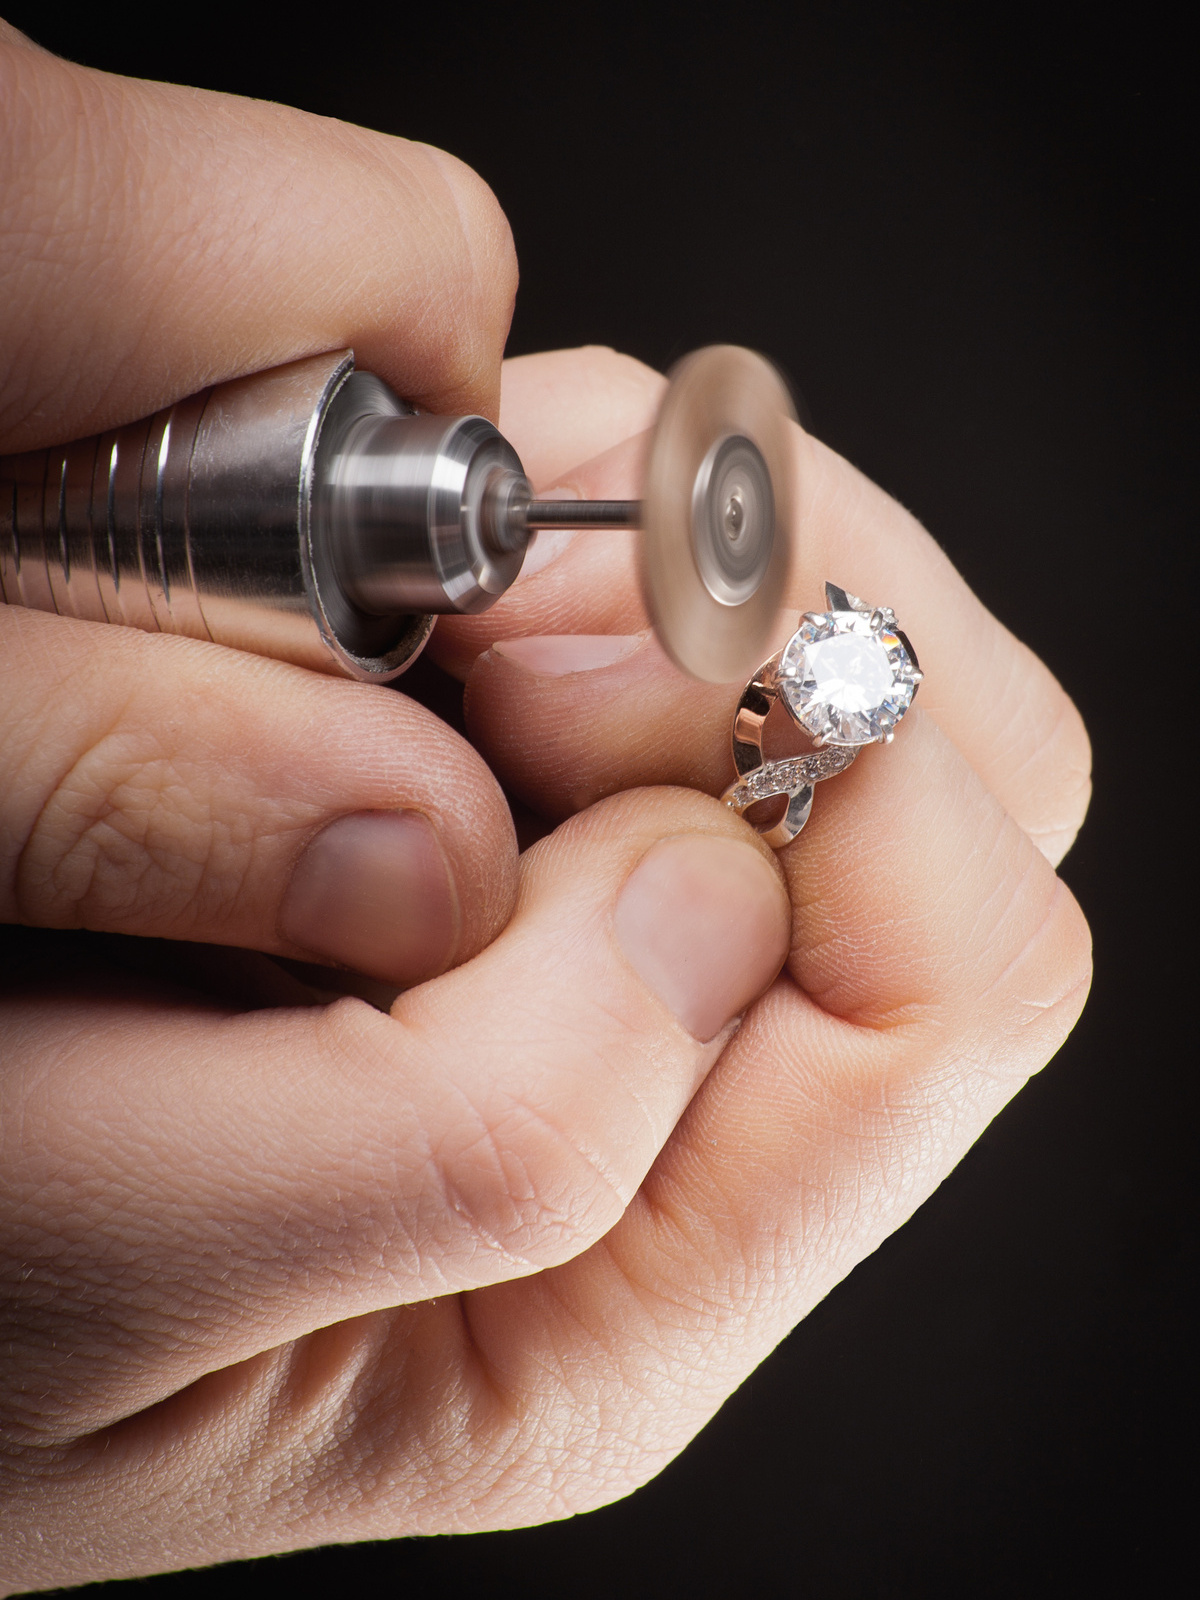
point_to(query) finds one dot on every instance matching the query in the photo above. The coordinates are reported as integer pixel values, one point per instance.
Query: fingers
(562, 407)
(190, 1190)
(186, 237)
(637, 721)
(155, 785)
(818, 1133)
(938, 962)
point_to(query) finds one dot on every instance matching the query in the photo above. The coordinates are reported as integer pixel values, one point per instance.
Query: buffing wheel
(718, 513)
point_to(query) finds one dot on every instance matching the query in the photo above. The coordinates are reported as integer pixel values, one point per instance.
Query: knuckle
(1066, 755)
(518, 1180)
(1066, 938)
(1045, 962)
(459, 299)
(129, 837)
(493, 1181)
(1042, 751)
(616, 369)
(485, 251)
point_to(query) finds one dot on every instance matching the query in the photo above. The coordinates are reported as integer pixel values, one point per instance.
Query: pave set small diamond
(786, 777)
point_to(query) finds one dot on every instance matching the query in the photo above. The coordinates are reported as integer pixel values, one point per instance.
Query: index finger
(160, 238)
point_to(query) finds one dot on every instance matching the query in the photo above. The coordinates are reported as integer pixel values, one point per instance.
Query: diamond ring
(846, 676)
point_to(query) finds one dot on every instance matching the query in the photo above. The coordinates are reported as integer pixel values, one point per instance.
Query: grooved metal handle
(200, 520)
(92, 529)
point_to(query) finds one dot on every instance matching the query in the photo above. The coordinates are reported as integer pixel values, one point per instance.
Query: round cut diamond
(846, 676)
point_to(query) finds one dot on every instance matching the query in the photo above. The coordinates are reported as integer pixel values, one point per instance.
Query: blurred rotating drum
(718, 512)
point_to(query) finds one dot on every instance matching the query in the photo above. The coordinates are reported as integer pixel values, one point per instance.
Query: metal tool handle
(205, 519)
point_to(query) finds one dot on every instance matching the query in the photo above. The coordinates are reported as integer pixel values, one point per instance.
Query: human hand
(220, 1217)
(204, 1199)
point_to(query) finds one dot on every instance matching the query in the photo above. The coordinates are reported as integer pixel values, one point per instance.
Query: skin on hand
(185, 237)
(291, 1273)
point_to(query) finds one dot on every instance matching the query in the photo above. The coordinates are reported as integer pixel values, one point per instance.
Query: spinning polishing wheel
(717, 515)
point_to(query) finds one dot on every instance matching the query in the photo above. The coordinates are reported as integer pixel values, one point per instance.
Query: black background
(964, 235)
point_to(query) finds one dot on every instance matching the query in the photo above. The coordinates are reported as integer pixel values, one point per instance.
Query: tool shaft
(583, 514)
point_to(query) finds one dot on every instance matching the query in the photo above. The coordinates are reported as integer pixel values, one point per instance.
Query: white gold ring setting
(847, 676)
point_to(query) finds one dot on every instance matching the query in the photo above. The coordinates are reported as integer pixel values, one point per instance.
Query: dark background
(964, 234)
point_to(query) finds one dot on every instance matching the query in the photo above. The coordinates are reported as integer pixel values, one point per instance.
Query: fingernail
(373, 891)
(547, 546)
(554, 655)
(705, 924)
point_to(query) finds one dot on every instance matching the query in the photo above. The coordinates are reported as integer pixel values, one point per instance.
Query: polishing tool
(310, 514)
